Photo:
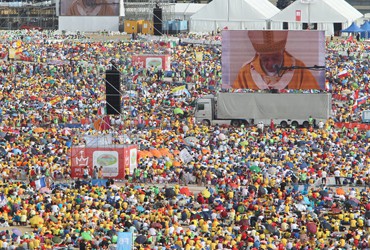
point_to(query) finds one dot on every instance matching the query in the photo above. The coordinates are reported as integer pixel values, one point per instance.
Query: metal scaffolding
(143, 9)
(14, 16)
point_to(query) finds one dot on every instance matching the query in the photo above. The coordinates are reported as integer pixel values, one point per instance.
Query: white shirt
(323, 174)
(337, 173)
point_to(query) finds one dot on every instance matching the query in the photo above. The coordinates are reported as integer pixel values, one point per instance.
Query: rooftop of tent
(320, 11)
(236, 10)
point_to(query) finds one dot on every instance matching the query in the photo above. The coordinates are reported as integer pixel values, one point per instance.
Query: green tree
(282, 4)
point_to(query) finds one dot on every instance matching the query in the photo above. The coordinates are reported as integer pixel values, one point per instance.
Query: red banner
(116, 161)
(298, 15)
(148, 61)
(351, 125)
(340, 97)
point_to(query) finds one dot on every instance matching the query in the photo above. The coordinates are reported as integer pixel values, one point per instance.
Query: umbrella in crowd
(141, 239)
(178, 111)
(17, 232)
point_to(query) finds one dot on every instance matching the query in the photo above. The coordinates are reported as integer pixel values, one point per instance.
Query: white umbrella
(272, 171)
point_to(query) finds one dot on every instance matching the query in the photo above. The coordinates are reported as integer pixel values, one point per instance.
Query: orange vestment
(252, 76)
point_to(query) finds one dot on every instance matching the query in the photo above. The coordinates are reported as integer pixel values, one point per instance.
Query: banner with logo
(116, 161)
(152, 61)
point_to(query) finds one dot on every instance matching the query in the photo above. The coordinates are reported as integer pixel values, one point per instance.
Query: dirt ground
(101, 37)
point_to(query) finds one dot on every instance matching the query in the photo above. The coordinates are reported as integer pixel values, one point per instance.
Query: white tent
(233, 14)
(184, 11)
(324, 13)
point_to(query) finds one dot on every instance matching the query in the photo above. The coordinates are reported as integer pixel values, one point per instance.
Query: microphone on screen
(277, 68)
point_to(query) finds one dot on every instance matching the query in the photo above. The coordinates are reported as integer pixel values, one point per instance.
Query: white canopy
(233, 14)
(184, 11)
(323, 12)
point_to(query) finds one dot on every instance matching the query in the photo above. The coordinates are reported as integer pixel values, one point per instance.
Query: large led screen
(89, 7)
(265, 59)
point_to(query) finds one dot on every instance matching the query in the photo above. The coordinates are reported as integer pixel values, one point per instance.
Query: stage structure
(104, 15)
(143, 9)
(116, 161)
(116, 153)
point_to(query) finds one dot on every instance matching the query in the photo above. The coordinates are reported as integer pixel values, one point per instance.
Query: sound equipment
(113, 92)
(157, 21)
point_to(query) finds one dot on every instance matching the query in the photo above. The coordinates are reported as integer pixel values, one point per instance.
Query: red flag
(105, 125)
(343, 73)
(135, 77)
(355, 95)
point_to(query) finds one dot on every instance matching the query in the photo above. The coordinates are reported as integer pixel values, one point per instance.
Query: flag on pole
(40, 183)
(171, 44)
(343, 73)
(180, 90)
(55, 100)
(358, 102)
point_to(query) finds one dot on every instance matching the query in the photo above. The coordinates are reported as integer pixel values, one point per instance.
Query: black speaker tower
(157, 21)
(113, 92)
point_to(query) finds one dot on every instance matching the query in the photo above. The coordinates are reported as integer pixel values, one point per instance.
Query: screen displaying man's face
(89, 7)
(241, 48)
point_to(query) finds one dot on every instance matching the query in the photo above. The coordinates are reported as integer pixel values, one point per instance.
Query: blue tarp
(70, 125)
(99, 182)
(353, 28)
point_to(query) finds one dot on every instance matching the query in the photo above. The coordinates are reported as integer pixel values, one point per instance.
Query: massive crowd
(261, 189)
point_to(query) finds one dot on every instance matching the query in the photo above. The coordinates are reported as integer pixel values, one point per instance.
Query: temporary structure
(353, 28)
(328, 15)
(233, 14)
(183, 11)
(366, 27)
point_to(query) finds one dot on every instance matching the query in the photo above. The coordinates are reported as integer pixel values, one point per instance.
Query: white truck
(285, 109)
(365, 116)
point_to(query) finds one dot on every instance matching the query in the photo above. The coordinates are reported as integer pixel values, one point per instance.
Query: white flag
(185, 156)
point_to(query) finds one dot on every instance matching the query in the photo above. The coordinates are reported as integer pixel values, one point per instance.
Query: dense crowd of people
(266, 188)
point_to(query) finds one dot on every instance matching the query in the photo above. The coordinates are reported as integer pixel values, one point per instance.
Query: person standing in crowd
(337, 175)
(95, 172)
(86, 173)
(323, 177)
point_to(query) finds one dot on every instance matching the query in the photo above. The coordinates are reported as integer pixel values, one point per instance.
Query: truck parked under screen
(366, 116)
(285, 109)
